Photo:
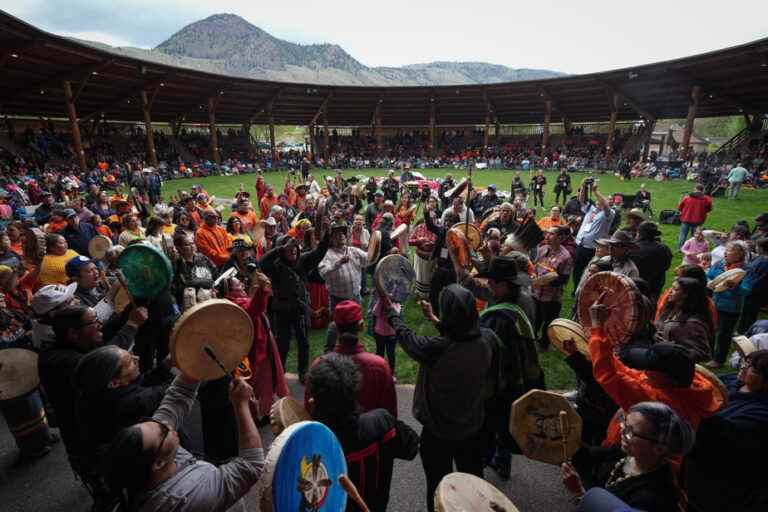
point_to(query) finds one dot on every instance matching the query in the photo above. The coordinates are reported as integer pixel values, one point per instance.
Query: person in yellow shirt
(57, 254)
(236, 232)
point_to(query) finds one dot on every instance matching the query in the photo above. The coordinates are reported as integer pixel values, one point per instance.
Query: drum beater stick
(210, 353)
(351, 490)
(564, 433)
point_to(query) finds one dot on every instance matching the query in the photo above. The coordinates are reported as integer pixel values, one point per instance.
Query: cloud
(101, 37)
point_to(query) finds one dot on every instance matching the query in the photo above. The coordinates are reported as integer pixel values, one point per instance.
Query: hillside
(226, 43)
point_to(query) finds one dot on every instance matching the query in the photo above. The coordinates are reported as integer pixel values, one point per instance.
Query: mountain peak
(227, 43)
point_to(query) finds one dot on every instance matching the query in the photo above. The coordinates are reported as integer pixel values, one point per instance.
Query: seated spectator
(53, 267)
(637, 470)
(132, 230)
(720, 471)
(686, 319)
(371, 440)
(8, 257)
(151, 471)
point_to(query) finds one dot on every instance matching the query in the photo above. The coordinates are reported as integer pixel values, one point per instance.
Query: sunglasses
(165, 429)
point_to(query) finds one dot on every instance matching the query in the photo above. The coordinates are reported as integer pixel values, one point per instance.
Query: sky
(569, 36)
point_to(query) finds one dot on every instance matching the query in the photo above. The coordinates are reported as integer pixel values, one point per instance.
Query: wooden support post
(146, 108)
(615, 101)
(497, 134)
(487, 134)
(661, 144)
(693, 106)
(377, 128)
(547, 121)
(212, 103)
(326, 137)
(312, 140)
(272, 146)
(567, 126)
(77, 142)
(432, 140)
(647, 147)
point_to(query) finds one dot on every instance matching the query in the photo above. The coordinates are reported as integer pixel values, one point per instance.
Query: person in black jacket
(444, 273)
(452, 384)
(516, 368)
(562, 186)
(638, 471)
(651, 257)
(720, 472)
(371, 441)
(288, 270)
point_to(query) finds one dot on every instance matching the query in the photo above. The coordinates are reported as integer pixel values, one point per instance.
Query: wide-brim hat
(505, 268)
(637, 212)
(622, 239)
(240, 244)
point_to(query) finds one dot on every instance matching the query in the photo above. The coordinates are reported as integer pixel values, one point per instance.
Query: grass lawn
(665, 195)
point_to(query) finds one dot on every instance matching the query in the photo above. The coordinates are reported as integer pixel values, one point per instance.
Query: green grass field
(665, 195)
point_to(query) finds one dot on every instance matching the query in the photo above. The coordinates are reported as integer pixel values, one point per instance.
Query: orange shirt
(103, 229)
(548, 222)
(248, 220)
(17, 248)
(627, 387)
(265, 204)
(213, 242)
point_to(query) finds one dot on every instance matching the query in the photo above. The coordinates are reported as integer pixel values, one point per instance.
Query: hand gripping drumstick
(351, 490)
(564, 433)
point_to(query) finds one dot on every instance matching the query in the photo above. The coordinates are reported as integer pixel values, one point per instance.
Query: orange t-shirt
(213, 242)
(248, 220)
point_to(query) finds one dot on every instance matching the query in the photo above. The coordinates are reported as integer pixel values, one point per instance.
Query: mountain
(228, 44)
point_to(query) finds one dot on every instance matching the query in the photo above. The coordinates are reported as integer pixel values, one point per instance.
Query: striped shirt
(343, 281)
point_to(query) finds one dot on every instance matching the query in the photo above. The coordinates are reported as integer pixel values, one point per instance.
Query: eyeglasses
(92, 322)
(165, 429)
(629, 434)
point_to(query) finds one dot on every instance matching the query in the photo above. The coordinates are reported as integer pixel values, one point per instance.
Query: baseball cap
(73, 266)
(491, 187)
(347, 312)
(68, 213)
(671, 359)
(52, 296)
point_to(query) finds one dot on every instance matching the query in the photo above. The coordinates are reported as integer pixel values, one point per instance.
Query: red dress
(267, 374)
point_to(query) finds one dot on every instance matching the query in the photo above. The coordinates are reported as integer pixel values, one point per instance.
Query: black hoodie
(454, 367)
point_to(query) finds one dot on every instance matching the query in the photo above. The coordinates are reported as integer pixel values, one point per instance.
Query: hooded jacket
(454, 367)
(694, 208)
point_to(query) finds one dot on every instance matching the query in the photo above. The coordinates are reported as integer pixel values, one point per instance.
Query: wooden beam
(125, 95)
(432, 120)
(146, 108)
(77, 142)
(688, 130)
(272, 134)
(547, 120)
(326, 136)
(10, 48)
(614, 104)
(615, 89)
(69, 76)
(213, 102)
(377, 128)
(322, 108)
(267, 105)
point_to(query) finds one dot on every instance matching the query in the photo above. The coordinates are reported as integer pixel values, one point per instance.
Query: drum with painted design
(462, 492)
(621, 297)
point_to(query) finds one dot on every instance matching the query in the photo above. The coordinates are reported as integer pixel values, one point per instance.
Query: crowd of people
(655, 436)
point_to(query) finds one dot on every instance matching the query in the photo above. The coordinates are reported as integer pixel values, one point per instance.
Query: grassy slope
(665, 196)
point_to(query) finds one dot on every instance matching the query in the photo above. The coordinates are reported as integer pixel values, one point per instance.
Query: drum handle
(124, 283)
(351, 490)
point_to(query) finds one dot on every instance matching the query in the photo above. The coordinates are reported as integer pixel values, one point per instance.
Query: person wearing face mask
(151, 472)
(636, 470)
(720, 471)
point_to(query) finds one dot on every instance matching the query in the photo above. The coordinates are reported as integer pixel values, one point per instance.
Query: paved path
(47, 484)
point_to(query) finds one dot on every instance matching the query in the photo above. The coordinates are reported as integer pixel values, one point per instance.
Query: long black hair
(334, 381)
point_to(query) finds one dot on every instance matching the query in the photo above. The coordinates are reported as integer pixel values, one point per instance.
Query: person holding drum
(458, 209)
(597, 220)
(373, 210)
(371, 440)
(637, 471)
(720, 469)
(506, 222)
(151, 471)
(449, 399)
(619, 245)
(665, 372)
(729, 301)
(553, 268)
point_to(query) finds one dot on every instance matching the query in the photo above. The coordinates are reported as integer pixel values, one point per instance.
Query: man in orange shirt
(212, 240)
(552, 220)
(663, 373)
(267, 201)
(246, 215)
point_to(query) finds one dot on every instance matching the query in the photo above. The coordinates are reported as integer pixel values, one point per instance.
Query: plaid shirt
(561, 263)
(343, 281)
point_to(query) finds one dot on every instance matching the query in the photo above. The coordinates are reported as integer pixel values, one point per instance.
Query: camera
(251, 266)
(590, 181)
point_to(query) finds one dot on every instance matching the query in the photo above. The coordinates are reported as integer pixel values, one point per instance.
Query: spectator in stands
(132, 230)
(57, 254)
(693, 208)
(8, 257)
(45, 209)
(78, 232)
